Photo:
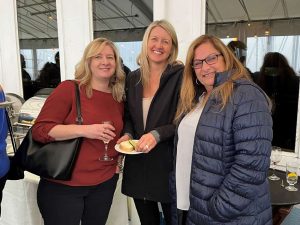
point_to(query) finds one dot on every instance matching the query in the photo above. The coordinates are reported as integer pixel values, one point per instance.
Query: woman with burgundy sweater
(87, 197)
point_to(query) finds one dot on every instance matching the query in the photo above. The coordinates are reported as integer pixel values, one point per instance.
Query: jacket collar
(222, 77)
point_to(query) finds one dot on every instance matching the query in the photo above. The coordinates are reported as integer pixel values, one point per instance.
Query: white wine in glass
(292, 175)
(106, 157)
(275, 159)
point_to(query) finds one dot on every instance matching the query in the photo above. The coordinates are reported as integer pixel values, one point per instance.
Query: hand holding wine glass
(275, 159)
(106, 139)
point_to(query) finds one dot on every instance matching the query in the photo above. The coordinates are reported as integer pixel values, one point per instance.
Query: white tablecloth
(19, 205)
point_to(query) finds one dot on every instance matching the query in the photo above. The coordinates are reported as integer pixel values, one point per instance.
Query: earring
(197, 81)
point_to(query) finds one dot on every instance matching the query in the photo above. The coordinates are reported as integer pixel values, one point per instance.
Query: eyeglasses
(210, 60)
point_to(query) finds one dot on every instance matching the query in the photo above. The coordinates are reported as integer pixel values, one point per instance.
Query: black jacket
(146, 176)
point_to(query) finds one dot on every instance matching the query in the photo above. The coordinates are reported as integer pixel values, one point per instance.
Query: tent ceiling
(248, 18)
(37, 18)
(222, 11)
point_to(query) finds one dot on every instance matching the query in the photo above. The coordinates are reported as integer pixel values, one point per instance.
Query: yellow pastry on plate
(128, 146)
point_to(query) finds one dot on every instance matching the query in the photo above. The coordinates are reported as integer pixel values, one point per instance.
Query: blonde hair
(189, 87)
(83, 71)
(142, 59)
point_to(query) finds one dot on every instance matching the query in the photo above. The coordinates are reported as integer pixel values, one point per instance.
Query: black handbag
(14, 172)
(54, 160)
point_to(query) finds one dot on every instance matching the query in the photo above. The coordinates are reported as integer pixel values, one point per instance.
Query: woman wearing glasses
(223, 141)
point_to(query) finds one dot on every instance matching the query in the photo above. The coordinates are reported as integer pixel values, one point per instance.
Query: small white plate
(117, 147)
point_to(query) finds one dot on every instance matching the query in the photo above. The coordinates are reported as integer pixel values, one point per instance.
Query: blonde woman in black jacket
(152, 93)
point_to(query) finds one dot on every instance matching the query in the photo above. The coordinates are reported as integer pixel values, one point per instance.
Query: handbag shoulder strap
(79, 118)
(11, 132)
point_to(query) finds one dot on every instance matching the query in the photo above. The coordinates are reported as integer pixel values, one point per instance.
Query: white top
(146, 106)
(186, 134)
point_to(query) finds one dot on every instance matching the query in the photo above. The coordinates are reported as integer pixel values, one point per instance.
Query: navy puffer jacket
(231, 157)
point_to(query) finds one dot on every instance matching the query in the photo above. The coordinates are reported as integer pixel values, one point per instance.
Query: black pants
(149, 213)
(67, 205)
(2, 184)
(182, 215)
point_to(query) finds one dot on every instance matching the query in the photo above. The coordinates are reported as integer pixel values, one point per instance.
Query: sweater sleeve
(54, 111)
(252, 135)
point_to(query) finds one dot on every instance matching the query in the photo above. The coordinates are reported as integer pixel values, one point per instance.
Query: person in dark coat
(28, 88)
(239, 49)
(25, 75)
(279, 80)
(125, 68)
(223, 141)
(50, 74)
(152, 93)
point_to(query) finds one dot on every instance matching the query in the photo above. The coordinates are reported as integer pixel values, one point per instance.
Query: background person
(25, 74)
(50, 74)
(223, 141)
(152, 93)
(87, 197)
(239, 49)
(4, 161)
(28, 87)
(279, 80)
(125, 68)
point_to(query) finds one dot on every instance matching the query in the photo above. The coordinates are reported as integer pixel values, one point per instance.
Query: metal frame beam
(143, 8)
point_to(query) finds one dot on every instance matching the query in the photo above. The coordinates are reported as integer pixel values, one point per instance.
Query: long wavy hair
(190, 89)
(275, 64)
(83, 71)
(142, 59)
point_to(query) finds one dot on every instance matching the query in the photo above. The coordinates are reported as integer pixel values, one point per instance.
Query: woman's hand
(146, 143)
(125, 137)
(103, 132)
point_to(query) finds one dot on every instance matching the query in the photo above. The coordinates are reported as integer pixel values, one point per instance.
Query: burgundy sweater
(60, 108)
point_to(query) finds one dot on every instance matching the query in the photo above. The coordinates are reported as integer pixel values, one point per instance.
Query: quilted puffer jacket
(231, 153)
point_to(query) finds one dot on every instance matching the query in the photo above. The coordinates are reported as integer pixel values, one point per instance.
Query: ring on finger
(146, 146)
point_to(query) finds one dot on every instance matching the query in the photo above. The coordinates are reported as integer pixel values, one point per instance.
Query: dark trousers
(149, 213)
(182, 215)
(68, 205)
(2, 184)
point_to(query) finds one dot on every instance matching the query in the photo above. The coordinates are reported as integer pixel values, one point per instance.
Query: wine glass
(291, 175)
(106, 157)
(275, 159)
